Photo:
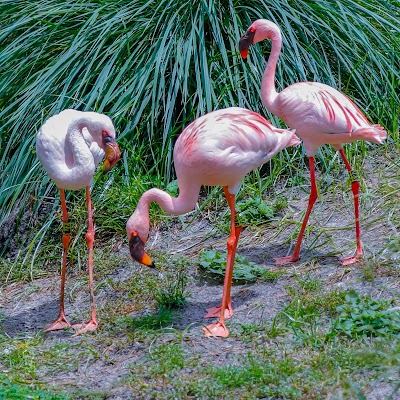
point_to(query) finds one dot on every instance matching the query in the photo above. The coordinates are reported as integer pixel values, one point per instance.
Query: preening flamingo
(70, 145)
(320, 115)
(217, 149)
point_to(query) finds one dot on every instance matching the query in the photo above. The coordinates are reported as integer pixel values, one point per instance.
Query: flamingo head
(112, 151)
(100, 129)
(136, 248)
(137, 237)
(259, 30)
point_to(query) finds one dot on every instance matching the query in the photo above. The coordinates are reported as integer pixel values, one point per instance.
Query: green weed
(167, 358)
(244, 270)
(254, 211)
(153, 322)
(171, 290)
(363, 316)
(18, 391)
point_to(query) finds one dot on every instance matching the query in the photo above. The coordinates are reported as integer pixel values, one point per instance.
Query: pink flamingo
(217, 149)
(70, 145)
(320, 115)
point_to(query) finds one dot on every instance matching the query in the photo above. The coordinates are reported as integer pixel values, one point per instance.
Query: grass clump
(171, 291)
(155, 321)
(20, 356)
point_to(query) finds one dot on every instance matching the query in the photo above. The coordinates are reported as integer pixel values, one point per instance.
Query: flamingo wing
(311, 106)
(228, 138)
(221, 147)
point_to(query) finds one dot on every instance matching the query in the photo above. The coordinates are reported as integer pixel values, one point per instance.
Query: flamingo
(216, 149)
(70, 145)
(320, 114)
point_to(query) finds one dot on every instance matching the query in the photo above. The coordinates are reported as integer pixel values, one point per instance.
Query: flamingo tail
(374, 133)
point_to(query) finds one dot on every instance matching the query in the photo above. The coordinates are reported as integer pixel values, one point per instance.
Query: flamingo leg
(225, 310)
(92, 324)
(311, 201)
(61, 321)
(355, 188)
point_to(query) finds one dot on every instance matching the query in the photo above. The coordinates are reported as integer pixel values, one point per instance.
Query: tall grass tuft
(155, 65)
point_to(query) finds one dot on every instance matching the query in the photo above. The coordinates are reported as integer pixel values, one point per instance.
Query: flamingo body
(319, 113)
(70, 145)
(68, 151)
(323, 115)
(219, 148)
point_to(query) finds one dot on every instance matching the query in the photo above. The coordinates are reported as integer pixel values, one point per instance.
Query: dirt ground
(27, 307)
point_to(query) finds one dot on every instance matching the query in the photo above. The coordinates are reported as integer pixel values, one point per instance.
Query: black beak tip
(244, 60)
(152, 265)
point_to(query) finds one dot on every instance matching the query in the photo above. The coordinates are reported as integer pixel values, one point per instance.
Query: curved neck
(185, 202)
(268, 91)
(79, 152)
(182, 204)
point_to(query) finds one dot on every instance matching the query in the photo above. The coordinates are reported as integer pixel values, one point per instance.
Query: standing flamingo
(320, 115)
(70, 145)
(219, 148)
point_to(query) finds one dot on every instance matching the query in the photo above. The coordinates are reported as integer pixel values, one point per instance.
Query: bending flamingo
(320, 115)
(219, 148)
(70, 145)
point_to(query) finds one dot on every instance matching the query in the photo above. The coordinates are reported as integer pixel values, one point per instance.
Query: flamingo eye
(252, 30)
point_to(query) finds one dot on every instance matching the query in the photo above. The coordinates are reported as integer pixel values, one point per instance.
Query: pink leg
(355, 187)
(61, 322)
(311, 201)
(225, 310)
(92, 324)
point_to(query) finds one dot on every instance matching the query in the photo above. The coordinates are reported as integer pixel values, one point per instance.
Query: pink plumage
(219, 148)
(319, 113)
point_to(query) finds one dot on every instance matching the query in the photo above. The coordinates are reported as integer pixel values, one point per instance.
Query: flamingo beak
(244, 54)
(136, 248)
(113, 153)
(245, 42)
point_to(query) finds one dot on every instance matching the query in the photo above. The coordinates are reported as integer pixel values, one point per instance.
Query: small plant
(168, 357)
(18, 391)
(171, 291)
(303, 322)
(310, 285)
(364, 316)
(280, 204)
(254, 211)
(151, 322)
(21, 355)
(244, 270)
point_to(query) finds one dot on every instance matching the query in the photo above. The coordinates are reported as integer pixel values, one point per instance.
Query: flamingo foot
(59, 324)
(217, 329)
(215, 312)
(349, 260)
(90, 326)
(286, 260)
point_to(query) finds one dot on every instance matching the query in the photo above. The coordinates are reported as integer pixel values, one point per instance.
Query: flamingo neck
(85, 150)
(268, 91)
(78, 152)
(140, 219)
